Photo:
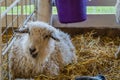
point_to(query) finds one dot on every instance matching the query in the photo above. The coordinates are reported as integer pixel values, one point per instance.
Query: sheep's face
(40, 34)
(39, 38)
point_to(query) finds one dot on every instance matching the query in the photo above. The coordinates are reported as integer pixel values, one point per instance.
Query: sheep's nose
(33, 53)
(32, 50)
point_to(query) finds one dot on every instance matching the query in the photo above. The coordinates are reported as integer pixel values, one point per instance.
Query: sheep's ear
(22, 30)
(55, 36)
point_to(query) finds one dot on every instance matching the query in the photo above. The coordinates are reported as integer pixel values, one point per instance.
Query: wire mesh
(13, 14)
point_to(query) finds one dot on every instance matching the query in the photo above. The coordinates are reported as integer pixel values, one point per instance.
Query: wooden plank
(44, 10)
(95, 21)
(109, 32)
(103, 25)
(101, 2)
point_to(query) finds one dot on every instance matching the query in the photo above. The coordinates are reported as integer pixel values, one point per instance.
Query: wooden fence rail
(12, 20)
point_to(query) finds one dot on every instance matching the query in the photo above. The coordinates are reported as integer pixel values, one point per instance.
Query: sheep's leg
(11, 73)
(117, 54)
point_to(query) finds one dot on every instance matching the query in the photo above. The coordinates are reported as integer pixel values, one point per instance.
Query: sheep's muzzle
(33, 53)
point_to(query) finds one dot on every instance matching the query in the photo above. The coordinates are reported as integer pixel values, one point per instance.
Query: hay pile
(95, 55)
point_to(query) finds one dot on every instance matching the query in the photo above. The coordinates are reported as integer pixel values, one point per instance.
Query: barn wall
(94, 20)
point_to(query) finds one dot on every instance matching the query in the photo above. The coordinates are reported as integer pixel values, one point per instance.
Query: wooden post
(44, 10)
(0, 46)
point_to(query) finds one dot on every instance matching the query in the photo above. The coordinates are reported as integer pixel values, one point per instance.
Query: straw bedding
(95, 55)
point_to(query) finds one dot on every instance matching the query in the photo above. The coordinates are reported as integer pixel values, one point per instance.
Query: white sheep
(117, 6)
(42, 49)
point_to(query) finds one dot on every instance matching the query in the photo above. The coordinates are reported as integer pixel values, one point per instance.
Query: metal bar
(6, 23)
(35, 8)
(9, 8)
(9, 25)
(8, 47)
(12, 21)
(28, 19)
(22, 11)
(17, 16)
(26, 7)
(4, 51)
(30, 6)
(0, 45)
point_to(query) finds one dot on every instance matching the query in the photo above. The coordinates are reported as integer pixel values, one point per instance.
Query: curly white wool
(53, 47)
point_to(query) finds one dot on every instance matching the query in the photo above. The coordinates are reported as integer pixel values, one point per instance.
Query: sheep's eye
(46, 36)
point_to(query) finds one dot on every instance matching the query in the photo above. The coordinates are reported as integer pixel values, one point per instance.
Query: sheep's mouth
(34, 55)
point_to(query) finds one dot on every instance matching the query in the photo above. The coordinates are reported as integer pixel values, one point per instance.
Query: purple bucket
(70, 11)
